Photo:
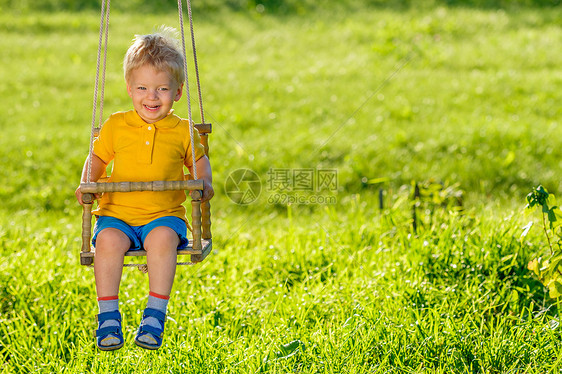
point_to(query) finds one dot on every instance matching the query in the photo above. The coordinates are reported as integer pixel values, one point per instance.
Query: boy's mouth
(151, 107)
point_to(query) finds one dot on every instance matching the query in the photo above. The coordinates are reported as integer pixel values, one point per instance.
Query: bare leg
(161, 246)
(161, 255)
(111, 245)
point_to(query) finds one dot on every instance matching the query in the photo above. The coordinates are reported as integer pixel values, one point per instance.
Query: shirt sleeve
(103, 144)
(199, 149)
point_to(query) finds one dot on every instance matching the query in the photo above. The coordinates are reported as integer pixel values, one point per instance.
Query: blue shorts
(137, 234)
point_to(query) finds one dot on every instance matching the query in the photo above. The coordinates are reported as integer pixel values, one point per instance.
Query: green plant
(548, 268)
(429, 195)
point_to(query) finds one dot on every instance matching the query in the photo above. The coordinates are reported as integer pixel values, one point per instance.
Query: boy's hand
(79, 195)
(208, 192)
(204, 171)
(98, 168)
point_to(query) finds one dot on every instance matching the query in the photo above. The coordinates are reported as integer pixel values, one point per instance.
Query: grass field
(379, 97)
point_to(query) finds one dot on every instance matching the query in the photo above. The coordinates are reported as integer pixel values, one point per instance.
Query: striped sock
(158, 302)
(108, 304)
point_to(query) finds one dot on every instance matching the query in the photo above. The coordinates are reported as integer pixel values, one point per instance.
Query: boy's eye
(163, 88)
(141, 88)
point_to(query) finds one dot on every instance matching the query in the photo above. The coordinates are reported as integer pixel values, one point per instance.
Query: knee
(161, 238)
(111, 239)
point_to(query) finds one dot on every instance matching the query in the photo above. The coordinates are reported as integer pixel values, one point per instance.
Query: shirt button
(150, 127)
(147, 143)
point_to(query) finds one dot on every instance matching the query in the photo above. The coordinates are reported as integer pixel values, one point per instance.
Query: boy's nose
(152, 94)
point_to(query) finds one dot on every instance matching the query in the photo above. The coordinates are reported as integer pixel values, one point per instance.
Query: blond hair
(160, 50)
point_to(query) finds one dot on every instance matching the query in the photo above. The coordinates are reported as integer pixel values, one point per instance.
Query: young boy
(148, 143)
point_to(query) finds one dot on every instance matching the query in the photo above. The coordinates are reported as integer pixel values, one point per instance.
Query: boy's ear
(129, 91)
(179, 93)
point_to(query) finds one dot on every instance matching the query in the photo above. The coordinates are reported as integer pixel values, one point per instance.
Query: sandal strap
(110, 330)
(155, 331)
(149, 312)
(102, 317)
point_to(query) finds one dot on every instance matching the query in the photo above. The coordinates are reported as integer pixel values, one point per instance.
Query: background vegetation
(386, 94)
(278, 7)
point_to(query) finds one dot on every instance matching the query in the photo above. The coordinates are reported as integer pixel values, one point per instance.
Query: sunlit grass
(357, 291)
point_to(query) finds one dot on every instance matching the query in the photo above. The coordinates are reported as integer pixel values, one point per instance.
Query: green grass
(459, 95)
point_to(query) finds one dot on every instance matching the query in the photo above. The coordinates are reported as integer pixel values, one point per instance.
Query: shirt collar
(170, 121)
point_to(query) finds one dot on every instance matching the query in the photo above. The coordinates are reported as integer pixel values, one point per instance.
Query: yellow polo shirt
(143, 152)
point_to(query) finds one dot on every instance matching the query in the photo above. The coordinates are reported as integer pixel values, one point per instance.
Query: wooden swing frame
(201, 243)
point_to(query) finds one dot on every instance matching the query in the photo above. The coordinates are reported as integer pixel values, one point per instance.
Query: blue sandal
(157, 333)
(104, 333)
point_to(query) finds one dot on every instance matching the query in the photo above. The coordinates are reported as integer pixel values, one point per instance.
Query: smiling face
(153, 92)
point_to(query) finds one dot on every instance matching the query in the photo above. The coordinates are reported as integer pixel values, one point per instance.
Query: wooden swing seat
(197, 255)
(199, 247)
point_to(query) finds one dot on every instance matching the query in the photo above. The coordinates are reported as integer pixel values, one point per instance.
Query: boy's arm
(204, 172)
(98, 167)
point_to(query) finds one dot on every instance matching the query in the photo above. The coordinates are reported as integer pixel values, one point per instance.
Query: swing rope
(144, 267)
(196, 65)
(104, 26)
(102, 95)
(188, 96)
